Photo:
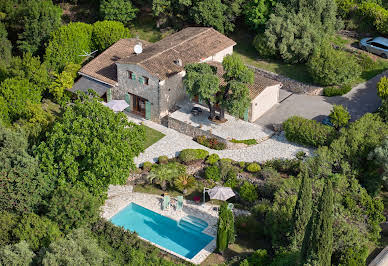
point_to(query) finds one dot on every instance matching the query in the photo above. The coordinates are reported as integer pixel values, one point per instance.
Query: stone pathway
(120, 196)
(174, 142)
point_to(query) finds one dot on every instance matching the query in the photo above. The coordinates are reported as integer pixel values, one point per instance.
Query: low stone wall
(290, 84)
(191, 130)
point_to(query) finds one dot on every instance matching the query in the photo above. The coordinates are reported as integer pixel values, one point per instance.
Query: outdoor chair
(179, 205)
(166, 202)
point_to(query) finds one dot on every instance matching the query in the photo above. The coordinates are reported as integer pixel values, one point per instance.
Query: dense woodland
(59, 153)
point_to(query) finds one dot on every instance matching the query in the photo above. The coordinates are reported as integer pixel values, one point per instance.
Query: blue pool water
(184, 238)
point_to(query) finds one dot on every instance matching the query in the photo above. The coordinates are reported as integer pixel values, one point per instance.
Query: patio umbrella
(220, 193)
(117, 105)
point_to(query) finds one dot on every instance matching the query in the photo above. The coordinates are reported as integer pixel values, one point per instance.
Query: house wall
(171, 92)
(149, 92)
(264, 101)
(218, 57)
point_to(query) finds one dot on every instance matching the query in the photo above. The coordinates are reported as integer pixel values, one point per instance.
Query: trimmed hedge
(191, 155)
(336, 91)
(308, 132)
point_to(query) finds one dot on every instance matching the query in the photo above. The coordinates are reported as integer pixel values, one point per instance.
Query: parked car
(378, 45)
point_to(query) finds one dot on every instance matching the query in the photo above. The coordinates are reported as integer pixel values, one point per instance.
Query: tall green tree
(5, 46)
(235, 94)
(106, 33)
(225, 229)
(317, 245)
(17, 254)
(22, 185)
(40, 19)
(91, 146)
(118, 10)
(67, 44)
(302, 211)
(256, 12)
(201, 81)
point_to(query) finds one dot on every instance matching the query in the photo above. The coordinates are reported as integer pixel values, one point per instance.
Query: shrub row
(308, 132)
(211, 143)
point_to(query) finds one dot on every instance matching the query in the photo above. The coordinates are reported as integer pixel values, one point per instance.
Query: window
(379, 45)
(130, 73)
(133, 76)
(143, 80)
(146, 80)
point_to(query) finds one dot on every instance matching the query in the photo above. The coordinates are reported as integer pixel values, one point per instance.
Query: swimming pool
(184, 237)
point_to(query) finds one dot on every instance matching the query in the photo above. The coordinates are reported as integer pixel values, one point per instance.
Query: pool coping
(198, 258)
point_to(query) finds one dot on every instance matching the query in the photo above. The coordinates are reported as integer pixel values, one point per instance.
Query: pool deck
(120, 196)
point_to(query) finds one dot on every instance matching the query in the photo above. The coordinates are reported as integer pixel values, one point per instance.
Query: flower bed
(211, 143)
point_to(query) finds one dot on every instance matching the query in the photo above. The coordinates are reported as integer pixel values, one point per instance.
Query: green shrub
(375, 13)
(269, 172)
(231, 181)
(106, 33)
(337, 91)
(213, 158)
(213, 173)
(261, 208)
(308, 132)
(242, 164)
(147, 166)
(165, 174)
(190, 155)
(163, 159)
(245, 141)
(339, 116)
(253, 167)
(17, 254)
(333, 67)
(248, 192)
(382, 88)
(288, 166)
(8, 221)
(259, 257)
(249, 227)
(300, 155)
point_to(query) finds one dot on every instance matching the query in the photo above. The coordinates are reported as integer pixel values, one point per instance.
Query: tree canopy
(119, 10)
(91, 146)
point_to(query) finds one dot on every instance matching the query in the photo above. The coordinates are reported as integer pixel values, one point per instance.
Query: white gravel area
(174, 142)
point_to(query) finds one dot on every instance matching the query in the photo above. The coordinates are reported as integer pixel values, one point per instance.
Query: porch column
(128, 99)
(147, 110)
(109, 95)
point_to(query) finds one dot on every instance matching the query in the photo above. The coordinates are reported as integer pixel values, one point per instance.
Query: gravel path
(174, 142)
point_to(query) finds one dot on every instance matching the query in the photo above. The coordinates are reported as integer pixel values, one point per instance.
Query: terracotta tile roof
(191, 44)
(255, 88)
(103, 67)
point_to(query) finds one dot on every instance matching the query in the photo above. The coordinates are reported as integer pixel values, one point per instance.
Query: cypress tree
(302, 211)
(318, 242)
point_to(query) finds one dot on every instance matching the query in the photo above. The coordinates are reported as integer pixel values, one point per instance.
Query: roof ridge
(170, 48)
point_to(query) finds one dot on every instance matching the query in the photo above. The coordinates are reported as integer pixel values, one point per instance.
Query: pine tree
(318, 242)
(302, 211)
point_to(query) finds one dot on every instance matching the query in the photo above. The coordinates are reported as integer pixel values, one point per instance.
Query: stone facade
(149, 92)
(263, 102)
(171, 92)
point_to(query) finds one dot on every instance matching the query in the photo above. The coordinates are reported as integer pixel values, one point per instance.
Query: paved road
(360, 100)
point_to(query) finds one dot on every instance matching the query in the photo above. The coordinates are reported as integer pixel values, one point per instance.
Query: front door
(139, 105)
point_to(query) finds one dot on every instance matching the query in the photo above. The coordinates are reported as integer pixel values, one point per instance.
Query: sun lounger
(166, 202)
(179, 204)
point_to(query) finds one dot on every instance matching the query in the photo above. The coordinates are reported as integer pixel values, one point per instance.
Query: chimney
(178, 62)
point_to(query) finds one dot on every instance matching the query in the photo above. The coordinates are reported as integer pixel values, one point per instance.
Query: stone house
(151, 80)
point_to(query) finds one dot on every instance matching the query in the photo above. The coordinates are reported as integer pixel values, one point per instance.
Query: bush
(249, 227)
(245, 141)
(248, 192)
(259, 258)
(184, 182)
(288, 166)
(333, 67)
(308, 132)
(268, 172)
(253, 167)
(36, 231)
(213, 158)
(213, 173)
(339, 116)
(337, 91)
(73, 207)
(231, 181)
(375, 13)
(147, 166)
(382, 88)
(242, 164)
(8, 221)
(191, 155)
(300, 155)
(212, 143)
(165, 174)
(163, 159)
(261, 208)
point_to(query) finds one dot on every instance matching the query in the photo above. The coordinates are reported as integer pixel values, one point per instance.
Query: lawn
(144, 29)
(151, 136)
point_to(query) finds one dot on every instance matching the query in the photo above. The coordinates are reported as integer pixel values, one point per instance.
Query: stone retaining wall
(191, 130)
(290, 84)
